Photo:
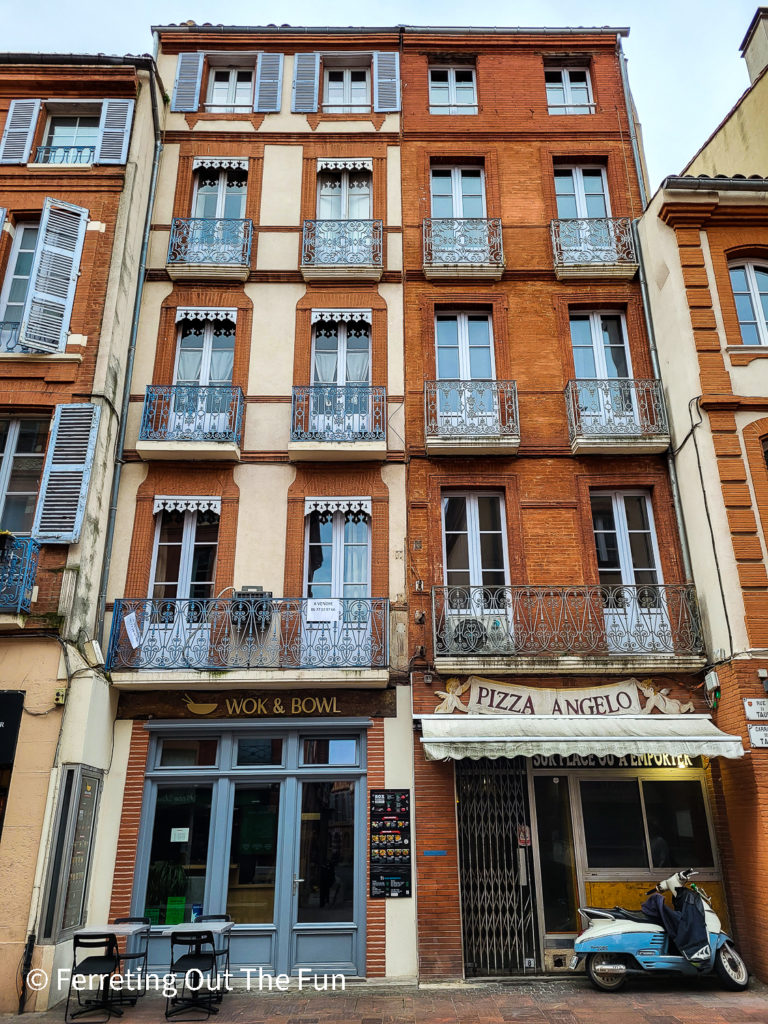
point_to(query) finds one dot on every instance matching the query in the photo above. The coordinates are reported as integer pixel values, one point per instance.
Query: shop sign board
(756, 710)
(758, 735)
(390, 843)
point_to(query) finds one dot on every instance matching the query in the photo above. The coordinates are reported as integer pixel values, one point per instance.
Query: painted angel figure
(453, 690)
(660, 699)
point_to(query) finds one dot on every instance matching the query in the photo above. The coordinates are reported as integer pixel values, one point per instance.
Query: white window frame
(453, 106)
(221, 194)
(205, 363)
(456, 190)
(346, 106)
(462, 330)
(6, 463)
(473, 534)
(598, 349)
(11, 266)
(337, 555)
(577, 170)
(569, 107)
(626, 567)
(341, 358)
(748, 266)
(78, 113)
(345, 173)
(212, 107)
(184, 582)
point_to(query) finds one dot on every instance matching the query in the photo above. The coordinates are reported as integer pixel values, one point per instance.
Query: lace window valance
(362, 164)
(219, 161)
(181, 503)
(346, 315)
(199, 313)
(329, 505)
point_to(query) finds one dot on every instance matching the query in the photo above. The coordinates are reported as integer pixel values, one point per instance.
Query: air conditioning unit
(478, 633)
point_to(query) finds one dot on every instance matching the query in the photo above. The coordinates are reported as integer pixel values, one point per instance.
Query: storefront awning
(453, 738)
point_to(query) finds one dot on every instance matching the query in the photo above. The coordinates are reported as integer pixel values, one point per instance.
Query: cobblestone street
(533, 1002)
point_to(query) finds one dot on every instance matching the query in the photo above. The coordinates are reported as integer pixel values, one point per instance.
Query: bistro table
(120, 930)
(217, 927)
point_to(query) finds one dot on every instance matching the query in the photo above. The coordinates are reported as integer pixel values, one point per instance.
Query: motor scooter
(618, 942)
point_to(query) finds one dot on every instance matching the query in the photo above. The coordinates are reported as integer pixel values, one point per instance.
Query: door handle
(296, 882)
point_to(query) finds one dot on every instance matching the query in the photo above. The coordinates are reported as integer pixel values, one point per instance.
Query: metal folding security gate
(497, 884)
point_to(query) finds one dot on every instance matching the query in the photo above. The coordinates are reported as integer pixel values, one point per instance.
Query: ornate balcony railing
(9, 336)
(216, 241)
(328, 412)
(220, 634)
(471, 408)
(616, 408)
(341, 243)
(581, 621)
(65, 154)
(18, 567)
(584, 241)
(463, 241)
(185, 412)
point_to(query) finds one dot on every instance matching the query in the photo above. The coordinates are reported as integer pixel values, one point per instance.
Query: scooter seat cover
(629, 915)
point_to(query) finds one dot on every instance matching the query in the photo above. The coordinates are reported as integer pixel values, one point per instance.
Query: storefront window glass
(677, 824)
(330, 751)
(178, 858)
(259, 750)
(558, 866)
(188, 753)
(613, 824)
(253, 854)
(327, 852)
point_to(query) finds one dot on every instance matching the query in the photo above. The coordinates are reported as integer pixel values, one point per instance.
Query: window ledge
(42, 357)
(742, 354)
(376, 119)
(60, 167)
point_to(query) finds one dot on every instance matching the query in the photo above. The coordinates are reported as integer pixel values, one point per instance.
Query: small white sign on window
(179, 835)
(132, 630)
(323, 609)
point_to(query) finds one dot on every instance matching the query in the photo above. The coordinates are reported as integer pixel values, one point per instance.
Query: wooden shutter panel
(269, 83)
(53, 278)
(66, 474)
(186, 89)
(386, 81)
(306, 73)
(114, 131)
(19, 131)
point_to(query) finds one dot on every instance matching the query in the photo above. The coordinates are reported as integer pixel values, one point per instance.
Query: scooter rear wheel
(604, 982)
(731, 969)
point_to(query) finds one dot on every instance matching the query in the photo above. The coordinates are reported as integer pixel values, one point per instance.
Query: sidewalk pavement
(571, 1001)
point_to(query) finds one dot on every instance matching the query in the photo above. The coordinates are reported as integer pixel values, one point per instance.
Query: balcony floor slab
(205, 271)
(337, 451)
(204, 451)
(11, 621)
(472, 445)
(620, 445)
(342, 272)
(463, 271)
(612, 271)
(249, 679)
(569, 664)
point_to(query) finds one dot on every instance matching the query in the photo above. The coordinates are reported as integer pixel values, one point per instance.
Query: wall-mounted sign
(756, 710)
(278, 704)
(323, 609)
(390, 843)
(758, 735)
(615, 761)
(489, 697)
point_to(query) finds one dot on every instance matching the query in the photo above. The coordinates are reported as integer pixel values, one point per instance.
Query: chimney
(754, 48)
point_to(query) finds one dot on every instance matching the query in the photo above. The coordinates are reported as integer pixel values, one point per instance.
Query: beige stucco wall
(263, 500)
(281, 185)
(741, 144)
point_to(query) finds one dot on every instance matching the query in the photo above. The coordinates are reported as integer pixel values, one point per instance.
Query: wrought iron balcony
(463, 246)
(541, 622)
(328, 412)
(186, 412)
(65, 154)
(18, 567)
(594, 246)
(471, 414)
(353, 247)
(9, 337)
(259, 632)
(214, 247)
(608, 415)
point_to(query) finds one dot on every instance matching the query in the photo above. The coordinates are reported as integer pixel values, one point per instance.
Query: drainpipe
(657, 376)
(154, 80)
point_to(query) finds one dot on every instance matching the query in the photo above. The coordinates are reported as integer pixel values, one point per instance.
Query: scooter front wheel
(603, 979)
(731, 969)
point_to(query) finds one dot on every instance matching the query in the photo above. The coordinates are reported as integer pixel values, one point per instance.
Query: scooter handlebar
(650, 892)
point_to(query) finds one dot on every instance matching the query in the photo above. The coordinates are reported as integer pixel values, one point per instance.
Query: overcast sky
(684, 64)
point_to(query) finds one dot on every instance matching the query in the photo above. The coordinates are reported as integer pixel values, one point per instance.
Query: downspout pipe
(154, 84)
(673, 482)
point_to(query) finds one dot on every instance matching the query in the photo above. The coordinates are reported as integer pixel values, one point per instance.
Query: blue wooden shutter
(186, 89)
(386, 81)
(306, 74)
(114, 131)
(269, 83)
(66, 474)
(19, 131)
(53, 278)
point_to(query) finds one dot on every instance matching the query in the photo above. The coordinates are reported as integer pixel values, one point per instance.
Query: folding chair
(200, 957)
(102, 964)
(137, 958)
(223, 951)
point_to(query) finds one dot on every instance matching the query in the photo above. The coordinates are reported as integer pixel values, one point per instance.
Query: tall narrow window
(625, 539)
(474, 540)
(452, 90)
(341, 377)
(22, 444)
(749, 282)
(185, 555)
(581, 192)
(458, 192)
(347, 91)
(569, 91)
(599, 346)
(230, 90)
(16, 284)
(344, 195)
(220, 193)
(338, 555)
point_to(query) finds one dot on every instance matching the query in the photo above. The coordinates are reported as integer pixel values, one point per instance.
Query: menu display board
(390, 843)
